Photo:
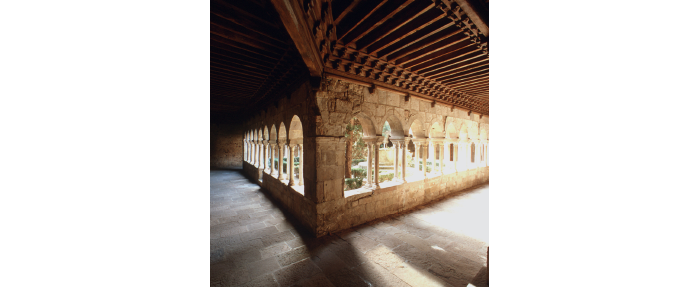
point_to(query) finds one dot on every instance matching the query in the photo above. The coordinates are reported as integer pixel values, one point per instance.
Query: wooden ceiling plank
(406, 13)
(231, 43)
(233, 70)
(242, 19)
(406, 29)
(456, 64)
(218, 80)
(461, 74)
(239, 37)
(470, 75)
(468, 82)
(357, 16)
(243, 13)
(411, 59)
(345, 11)
(465, 53)
(412, 39)
(240, 65)
(426, 42)
(225, 50)
(375, 19)
(437, 54)
(234, 59)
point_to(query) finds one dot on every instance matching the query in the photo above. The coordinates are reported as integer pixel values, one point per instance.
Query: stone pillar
(258, 156)
(272, 153)
(281, 161)
(291, 181)
(369, 171)
(395, 146)
(441, 158)
(403, 147)
(300, 165)
(456, 154)
(376, 165)
(265, 145)
(425, 150)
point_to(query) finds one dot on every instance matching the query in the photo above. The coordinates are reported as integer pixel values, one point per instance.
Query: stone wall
(292, 201)
(226, 145)
(324, 112)
(343, 213)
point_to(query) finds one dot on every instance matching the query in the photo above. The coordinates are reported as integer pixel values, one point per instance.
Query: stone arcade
(316, 194)
(346, 135)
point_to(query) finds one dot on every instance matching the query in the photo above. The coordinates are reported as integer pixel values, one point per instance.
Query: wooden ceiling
(435, 49)
(253, 60)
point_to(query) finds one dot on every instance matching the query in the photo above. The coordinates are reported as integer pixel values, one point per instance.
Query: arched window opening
(355, 156)
(295, 137)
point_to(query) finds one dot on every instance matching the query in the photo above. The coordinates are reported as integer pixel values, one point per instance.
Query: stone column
(281, 161)
(272, 153)
(425, 150)
(441, 158)
(291, 181)
(258, 155)
(395, 146)
(369, 171)
(265, 145)
(456, 154)
(376, 164)
(403, 147)
(415, 157)
(300, 164)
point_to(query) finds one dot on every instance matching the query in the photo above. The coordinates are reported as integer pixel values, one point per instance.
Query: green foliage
(357, 161)
(358, 172)
(296, 164)
(385, 176)
(386, 129)
(353, 183)
(354, 133)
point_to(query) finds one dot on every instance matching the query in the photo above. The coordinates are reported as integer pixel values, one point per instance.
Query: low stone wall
(293, 202)
(347, 212)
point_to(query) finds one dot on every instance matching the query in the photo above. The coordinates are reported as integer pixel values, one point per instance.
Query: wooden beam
(377, 18)
(421, 44)
(345, 12)
(410, 40)
(458, 64)
(417, 23)
(356, 18)
(474, 17)
(293, 18)
(401, 16)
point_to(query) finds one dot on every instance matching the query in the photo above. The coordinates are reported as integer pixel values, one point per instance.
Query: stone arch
(368, 128)
(417, 127)
(260, 135)
(295, 129)
(396, 127)
(463, 131)
(272, 133)
(451, 132)
(266, 133)
(436, 130)
(282, 132)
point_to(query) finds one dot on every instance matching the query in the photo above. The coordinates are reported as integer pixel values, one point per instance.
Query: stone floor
(254, 243)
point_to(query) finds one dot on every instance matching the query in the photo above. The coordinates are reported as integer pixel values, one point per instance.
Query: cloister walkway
(254, 243)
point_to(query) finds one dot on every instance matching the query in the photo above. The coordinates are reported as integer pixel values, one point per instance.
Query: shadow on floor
(254, 242)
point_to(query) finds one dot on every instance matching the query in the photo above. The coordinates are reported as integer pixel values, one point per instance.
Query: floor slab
(254, 243)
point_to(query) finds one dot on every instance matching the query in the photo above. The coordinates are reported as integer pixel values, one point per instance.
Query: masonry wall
(293, 202)
(226, 145)
(324, 112)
